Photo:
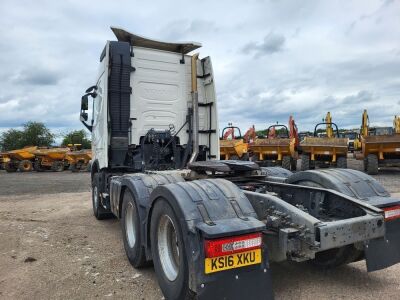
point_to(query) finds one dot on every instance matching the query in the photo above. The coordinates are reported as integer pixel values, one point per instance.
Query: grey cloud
(361, 97)
(318, 67)
(35, 76)
(271, 43)
(376, 15)
(186, 29)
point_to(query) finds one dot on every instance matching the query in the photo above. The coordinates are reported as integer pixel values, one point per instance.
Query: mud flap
(244, 283)
(384, 252)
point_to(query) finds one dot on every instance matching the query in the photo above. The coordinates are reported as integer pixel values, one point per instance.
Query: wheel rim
(168, 247)
(130, 228)
(95, 197)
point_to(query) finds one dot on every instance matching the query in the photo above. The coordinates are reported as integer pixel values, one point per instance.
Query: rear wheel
(341, 162)
(305, 162)
(73, 168)
(99, 211)
(372, 164)
(130, 224)
(10, 167)
(57, 166)
(286, 162)
(293, 164)
(37, 166)
(245, 157)
(168, 251)
(336, 257)
(25, 166)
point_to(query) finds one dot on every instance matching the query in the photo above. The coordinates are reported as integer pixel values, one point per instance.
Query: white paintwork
(100, 136)
(161, 95)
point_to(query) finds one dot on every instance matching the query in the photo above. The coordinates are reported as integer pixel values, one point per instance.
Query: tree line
(37, 134)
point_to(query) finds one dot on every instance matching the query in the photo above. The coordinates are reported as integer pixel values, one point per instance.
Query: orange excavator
(279, 147)
(250, 135)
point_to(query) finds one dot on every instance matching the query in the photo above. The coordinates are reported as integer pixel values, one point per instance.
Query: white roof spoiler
(139, 41)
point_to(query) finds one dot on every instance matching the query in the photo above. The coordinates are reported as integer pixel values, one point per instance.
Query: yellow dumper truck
(329, 150)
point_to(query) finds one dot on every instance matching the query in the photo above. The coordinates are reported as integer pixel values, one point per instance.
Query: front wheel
(99, 211)
(131, 233)
(25, 166)
(168, 251)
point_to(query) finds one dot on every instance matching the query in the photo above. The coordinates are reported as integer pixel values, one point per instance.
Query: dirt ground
(51, 247)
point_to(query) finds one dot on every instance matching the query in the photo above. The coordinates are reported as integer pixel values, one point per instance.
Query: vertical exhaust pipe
(195, 107)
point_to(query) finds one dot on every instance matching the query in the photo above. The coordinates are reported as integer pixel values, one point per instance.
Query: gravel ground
(52, 247)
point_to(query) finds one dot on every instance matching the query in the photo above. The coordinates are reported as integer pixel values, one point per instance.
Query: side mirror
(94, 87)
(83, 117)
(85, 103)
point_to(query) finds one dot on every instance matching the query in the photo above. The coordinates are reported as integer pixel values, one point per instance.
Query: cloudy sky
(271, 58)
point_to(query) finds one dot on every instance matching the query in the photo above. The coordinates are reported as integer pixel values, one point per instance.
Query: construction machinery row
(211, 227)
(40, 159)
(326, 147)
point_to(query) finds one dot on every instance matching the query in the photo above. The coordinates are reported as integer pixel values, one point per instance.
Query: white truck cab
(143, 110)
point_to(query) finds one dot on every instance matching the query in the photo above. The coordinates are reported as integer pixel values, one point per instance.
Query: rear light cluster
(231, 245)
(392, 213)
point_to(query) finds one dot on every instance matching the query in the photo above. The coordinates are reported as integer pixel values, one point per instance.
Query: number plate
(232, 261)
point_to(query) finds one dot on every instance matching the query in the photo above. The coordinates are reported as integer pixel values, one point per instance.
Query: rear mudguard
(379, 253)
(140, 185)
(211, 209)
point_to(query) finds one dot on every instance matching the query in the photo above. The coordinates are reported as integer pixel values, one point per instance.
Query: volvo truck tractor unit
(211, 227)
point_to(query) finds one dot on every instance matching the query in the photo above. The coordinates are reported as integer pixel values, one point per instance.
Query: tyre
(245, 157)
(372, 164)
(89, 166)
(305, 162)
(293, 164)
(25, 166)
(365, 165)
(341, 162)
(131, 233)
(234, 157)
(98, 210)
(336, 257)
(286, 162)
(37, 166)
(10, 167)
(168, 252)
(268, 163)
(73, 168)
(57, 166)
